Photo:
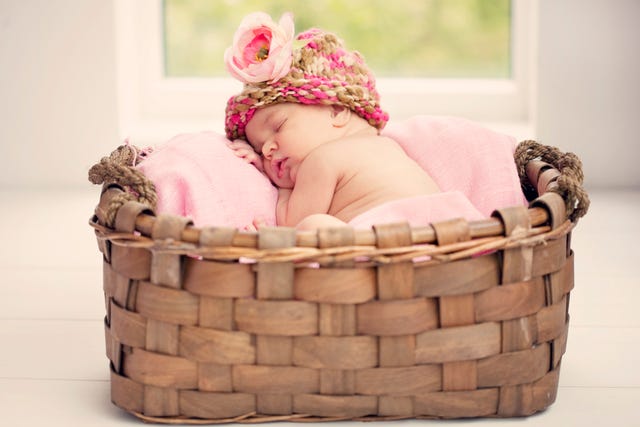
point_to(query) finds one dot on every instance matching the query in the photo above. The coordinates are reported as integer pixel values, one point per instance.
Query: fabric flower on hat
(262, 49)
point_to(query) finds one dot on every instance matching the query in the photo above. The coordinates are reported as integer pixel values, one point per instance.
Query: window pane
(400, 38)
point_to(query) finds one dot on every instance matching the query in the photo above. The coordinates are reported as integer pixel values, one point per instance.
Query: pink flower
(262, 49)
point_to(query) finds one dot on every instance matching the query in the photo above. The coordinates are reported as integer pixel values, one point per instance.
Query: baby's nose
(268, 149)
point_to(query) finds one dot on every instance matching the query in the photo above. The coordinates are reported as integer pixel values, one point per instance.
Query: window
(403, 38)
(458, 57)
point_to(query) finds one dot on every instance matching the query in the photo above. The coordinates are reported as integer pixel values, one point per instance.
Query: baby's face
(285, 134)
(279, 179)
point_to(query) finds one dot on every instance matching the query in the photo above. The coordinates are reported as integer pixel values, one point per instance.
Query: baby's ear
(340, 115)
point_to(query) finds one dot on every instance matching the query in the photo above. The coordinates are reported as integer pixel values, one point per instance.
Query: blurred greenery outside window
(401, 38)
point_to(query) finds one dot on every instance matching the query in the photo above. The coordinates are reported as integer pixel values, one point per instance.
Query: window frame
(152, 106)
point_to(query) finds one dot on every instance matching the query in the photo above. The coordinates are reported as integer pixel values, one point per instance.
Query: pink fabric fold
(197, 176)
(464, 156)
(419, 210)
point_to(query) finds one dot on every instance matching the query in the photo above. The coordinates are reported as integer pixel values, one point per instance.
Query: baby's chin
(283, 182)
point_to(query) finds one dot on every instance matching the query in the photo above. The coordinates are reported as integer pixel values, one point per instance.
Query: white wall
(58, 88)
(589, 85)
(57, 91)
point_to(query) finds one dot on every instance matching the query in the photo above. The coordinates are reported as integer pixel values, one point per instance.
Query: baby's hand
(246, 152)
(256, 224)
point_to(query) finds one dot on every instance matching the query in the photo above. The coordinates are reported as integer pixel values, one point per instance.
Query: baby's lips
(278, 166)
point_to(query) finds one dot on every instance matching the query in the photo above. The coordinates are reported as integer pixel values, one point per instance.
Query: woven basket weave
(456, 319)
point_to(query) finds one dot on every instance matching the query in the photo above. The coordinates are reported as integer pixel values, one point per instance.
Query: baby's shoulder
(355, 143)
(342, 153)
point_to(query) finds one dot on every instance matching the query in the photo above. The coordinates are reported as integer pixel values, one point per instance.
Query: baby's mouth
(279, 166)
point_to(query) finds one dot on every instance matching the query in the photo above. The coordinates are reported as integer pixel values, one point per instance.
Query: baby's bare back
(371, 171)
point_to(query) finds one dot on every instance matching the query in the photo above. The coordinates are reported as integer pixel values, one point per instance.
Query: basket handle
(567, 183)
(119, 170)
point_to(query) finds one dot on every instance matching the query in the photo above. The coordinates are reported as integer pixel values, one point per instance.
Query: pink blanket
(197, 176)
(461, 155)
(420, 210)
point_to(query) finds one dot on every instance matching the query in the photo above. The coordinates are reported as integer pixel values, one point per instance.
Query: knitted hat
(322, 72)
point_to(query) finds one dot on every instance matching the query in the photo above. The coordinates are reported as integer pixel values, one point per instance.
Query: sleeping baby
(314, 127)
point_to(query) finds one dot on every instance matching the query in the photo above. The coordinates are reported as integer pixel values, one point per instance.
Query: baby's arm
(313, 192)
(281, 207)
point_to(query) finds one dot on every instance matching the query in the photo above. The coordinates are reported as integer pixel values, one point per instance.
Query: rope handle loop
(569, 183)
(119, 169)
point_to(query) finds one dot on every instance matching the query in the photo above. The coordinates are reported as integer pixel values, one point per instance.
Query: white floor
(53, 370)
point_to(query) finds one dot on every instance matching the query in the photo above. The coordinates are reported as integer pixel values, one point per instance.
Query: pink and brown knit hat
(318, 72)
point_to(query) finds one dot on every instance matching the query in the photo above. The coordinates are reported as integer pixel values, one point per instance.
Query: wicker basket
(456, 319)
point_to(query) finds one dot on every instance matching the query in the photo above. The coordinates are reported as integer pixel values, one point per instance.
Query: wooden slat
(555, 207)
(458, 277)
(516, 400)
(460, 376)
(394, 281)
(549, 257)
(335, 285)
(408, 381)
(219, 279)
(275, 379)
(515, 368)
(274, 350)
(113, 349)
(213, 346)
(115, 285)
(526, 399)
(325, 352)
(510, 302)
(561, 282)
(337, 319)
(274, 404)
(516, 262)
(287, 318)
(551, 321)
(399, 317)
(166, 304)
(216, 313)
(451, 231)
(395, 406)
(458, 404)
(214, 377)
(337, 382)
(393, 235)
(132, 262)
(335, 406)
(397, 351)
(458, 343)
(199, 404)
(275, 280)
(166, 266)
(126, 393)
(519, 334)
(545, 390)
(127, 327)
(166, 269)
(162, 337)
(456, 310)
(559, 346)
(160, 402)
(160, 370)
